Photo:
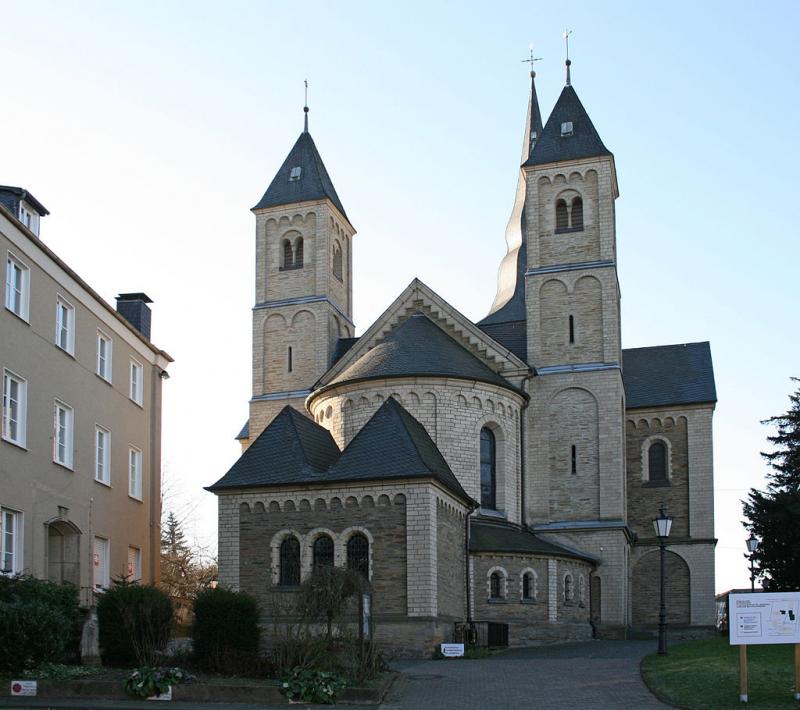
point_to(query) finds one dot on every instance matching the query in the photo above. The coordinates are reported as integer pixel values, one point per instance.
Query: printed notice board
(772, 617)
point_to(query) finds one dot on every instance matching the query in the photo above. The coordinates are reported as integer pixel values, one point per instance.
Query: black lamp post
(752, 546)
(662, 525)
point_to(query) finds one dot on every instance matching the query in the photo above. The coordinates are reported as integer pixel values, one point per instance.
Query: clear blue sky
(150, 129)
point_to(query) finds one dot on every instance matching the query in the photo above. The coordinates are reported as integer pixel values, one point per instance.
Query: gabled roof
(583, 143)
(314, 183)
(292, 449)
(500, 536)
(22, 194)
(668, 374)
(392, 444)
(419, 347)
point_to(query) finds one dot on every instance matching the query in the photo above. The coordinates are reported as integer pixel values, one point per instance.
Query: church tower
(558, 293)
(304, 293)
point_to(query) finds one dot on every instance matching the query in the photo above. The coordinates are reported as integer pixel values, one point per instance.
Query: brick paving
(597, 674)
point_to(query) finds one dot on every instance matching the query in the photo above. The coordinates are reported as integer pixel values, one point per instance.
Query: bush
(312, 686)
(39, 621)
(135, 624)
(225, 629)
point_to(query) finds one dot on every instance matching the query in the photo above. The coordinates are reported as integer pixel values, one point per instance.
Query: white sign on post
(771, 617)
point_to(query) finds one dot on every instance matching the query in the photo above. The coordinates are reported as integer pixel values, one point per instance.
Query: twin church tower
(519, 459)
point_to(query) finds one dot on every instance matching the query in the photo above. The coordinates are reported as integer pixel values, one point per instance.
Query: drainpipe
(522, 411)
(470, 511)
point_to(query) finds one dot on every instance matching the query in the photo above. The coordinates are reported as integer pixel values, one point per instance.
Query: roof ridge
(669, 345)
(401, 411)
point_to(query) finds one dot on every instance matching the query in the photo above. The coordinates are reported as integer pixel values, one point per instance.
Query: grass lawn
(705, 674)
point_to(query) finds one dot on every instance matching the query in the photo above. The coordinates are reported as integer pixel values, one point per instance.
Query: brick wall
(644, 497)
(646, 589)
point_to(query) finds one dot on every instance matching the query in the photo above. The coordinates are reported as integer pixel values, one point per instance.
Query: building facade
(81, 422)
(499, 472)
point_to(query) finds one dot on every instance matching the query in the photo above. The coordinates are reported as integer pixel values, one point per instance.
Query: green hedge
(135, 624)
(39, 622)
(225, 627)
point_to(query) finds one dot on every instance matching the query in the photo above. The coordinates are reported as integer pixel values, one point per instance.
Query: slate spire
(509, 303)
(302, 177)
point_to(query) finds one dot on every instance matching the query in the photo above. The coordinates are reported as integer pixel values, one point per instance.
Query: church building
(504, 473)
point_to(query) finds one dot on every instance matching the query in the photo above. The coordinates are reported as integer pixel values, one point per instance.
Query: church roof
(584, 142)
(313, 182)
(501, 536)
(511, 334)
(419, 347)
(292, 449)
(668, 374)
(393, 444)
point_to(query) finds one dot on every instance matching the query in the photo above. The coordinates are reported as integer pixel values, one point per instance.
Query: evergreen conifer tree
(773, 516)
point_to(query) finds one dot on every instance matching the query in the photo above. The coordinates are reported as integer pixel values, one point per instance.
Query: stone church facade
(499, 472)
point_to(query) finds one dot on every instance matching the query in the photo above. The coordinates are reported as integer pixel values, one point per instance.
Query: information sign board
(769, 617)
(453, 650)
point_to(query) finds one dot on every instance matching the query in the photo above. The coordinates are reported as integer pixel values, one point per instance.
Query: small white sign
(772, 617)
(453, 650)
(166, 695)
(23, 687)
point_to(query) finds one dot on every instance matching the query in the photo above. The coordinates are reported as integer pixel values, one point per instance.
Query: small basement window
(566, 128)
(296, 173)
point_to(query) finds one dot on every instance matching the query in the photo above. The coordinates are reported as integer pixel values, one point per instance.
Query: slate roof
(419, 347)
(20, 193)
(292, 449)
(245, 431)
(314, 182)
(583, 143)
(668, 374)
(392, 444)
(342, 346)
(512, 335)
(490, 536)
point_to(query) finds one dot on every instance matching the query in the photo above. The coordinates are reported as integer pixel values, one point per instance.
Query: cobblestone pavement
(596, 674)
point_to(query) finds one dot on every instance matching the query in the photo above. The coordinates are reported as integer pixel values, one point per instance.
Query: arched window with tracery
(358, 554)
(337, 261)
(322, 553)
(496, 586)
(657, 462)
(562, 215)
(298, 253)
(288, 255)
(488, 469)
(576, 213)
(290, 562)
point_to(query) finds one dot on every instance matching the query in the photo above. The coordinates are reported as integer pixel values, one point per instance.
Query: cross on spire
(532, 60)
(305, 106)
(567, 33)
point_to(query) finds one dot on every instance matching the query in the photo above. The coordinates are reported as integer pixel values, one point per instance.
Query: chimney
(133, 308)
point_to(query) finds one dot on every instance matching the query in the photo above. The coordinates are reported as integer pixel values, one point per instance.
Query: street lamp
(752, 546)
(662, 525)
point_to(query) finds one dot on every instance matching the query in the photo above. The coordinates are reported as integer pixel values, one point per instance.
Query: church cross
(567, 33)
(532, 59)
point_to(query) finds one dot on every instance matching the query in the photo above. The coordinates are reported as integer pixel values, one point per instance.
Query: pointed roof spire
(302, 177)
(533, 121)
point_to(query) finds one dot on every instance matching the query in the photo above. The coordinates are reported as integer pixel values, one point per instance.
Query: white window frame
(101, 560)
(16, 541)
(63, 433)
(135, 472)
(65, 325)
(22, 408)
(105, 361)
(20, 302)
(134, 568)
(136, 393)
(102, 455)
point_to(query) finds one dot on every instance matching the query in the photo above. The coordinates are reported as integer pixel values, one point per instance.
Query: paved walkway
(597, 674)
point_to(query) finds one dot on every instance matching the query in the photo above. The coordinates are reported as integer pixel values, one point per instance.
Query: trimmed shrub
(135, 624)
(225, 629)
(39, 621)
